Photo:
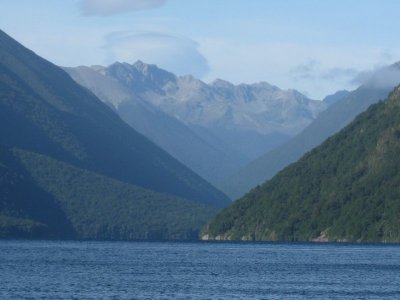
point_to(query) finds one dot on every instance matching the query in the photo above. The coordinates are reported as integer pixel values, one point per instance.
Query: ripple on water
(152, 270)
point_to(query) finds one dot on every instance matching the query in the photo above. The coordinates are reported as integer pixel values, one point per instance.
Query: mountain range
(70, 167)
(215, 128)
(112, 153)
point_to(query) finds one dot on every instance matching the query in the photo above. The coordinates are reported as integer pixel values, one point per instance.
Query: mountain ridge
(216, 115)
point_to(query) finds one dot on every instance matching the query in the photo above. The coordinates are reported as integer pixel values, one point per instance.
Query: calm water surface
(142, 270)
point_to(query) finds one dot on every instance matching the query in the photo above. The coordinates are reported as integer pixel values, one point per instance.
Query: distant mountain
(209, 161)
(55, 123)
(200, 124)
(327, 123)
(339, 95)
(347, 189)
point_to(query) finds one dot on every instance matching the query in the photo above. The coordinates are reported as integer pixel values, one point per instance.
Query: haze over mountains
(70, 167)
(345, 107)
(213, 128)
(235, 136)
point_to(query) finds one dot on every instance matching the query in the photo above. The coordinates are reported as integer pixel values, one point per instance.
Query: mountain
(344, 190)
(249, 113)
(328, 122)
(200, 123)
(168, 132)
(45, 198)
(339, 95)
(44, 113)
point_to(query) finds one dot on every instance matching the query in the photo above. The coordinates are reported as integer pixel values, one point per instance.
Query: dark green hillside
(26, 210)
(347, 189)
(43, 110)
(45, 198)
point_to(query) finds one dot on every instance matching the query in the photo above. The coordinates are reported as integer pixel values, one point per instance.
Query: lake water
(153, 270)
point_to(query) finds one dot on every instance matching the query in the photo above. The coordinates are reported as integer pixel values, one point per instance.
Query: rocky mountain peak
(99, 69)
(140, 65)
(220, 83)
(140, 76)
(260, 114)
(153, 72)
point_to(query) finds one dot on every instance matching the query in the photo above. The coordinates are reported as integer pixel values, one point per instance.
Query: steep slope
(166, 131)
(344, 190)
(45, 198)
(46, 112)
(327, 123)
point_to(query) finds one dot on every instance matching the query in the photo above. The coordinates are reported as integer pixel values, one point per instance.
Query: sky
(317, 47)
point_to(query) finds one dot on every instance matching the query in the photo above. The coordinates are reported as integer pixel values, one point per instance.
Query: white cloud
(314, 70)
(112, 7)
(380, 77)
(307, 70)
(173, 53)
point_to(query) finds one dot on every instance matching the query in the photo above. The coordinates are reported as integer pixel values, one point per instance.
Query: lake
(168, 270)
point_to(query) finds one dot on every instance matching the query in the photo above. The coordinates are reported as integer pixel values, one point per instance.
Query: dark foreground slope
(328, 122)
(44, 198)
(347, 189)
(43, 110)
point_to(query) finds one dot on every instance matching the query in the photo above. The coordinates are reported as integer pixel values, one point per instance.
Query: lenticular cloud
(175, 53)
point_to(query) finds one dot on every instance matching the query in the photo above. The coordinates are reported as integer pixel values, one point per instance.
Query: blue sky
(314, 46)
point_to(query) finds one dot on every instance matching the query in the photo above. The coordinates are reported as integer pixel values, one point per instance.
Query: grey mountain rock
(215, 128)
(202, 156)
